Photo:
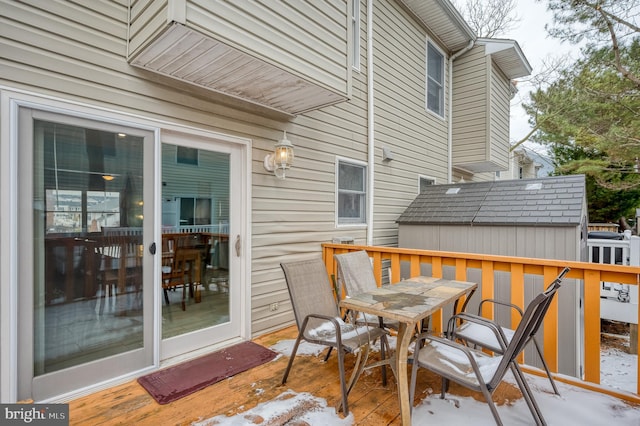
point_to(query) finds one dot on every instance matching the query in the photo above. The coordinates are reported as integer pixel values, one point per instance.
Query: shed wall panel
(547, 242)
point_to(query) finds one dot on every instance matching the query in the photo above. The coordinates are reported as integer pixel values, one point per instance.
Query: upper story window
(187, 155)
(435, 80)
(352, 192)
(355, 34)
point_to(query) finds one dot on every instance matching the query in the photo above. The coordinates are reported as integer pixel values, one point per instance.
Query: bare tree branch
(616, 48)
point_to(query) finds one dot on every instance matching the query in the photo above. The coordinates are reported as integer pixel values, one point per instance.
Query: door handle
(238, 246)
(152, 248)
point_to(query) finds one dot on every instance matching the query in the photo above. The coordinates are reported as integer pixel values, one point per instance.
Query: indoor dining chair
(478, 370)
(472, 332)
(318, 320)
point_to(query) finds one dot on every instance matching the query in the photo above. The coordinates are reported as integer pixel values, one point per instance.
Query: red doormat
(184, 379)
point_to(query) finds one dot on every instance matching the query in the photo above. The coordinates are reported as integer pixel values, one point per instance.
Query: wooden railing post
(488, 288)
(550, 324)
(517, 297)
(592, 326)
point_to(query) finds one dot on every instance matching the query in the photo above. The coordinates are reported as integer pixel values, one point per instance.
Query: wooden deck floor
(370, 402)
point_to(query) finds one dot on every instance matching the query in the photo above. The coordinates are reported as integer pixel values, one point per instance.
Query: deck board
(370, 402)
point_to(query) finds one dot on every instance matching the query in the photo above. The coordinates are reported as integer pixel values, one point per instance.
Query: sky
(574, 406)
(537, 47)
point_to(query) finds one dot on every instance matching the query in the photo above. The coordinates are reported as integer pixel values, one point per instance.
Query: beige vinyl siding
(470, 108)
(148, 19)
(77, 52)
(74, 53)
(500, 103)
(480, 114)
(416, 137)
(307, 38)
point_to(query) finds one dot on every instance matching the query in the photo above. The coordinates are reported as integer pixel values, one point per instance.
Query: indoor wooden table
(409, 302)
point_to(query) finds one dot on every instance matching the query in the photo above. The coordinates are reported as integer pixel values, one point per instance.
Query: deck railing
(590, 275)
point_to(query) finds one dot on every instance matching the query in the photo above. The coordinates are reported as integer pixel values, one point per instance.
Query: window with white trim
(435, 80)
(352, 193)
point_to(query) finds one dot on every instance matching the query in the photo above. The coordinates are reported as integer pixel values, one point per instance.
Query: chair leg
(326, 358)
(361, 360)
(291, 357)
(492, 406)
(383, 343)
(184, 297)
(412, 384)
(546, 367)
(527, 394)
(343, 383)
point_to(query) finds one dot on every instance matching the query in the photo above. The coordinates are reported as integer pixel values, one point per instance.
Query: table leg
(402, 353)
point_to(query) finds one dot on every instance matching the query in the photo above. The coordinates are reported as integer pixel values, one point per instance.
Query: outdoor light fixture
(281, 159)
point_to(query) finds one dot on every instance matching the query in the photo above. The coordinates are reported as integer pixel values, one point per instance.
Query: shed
(541, 218)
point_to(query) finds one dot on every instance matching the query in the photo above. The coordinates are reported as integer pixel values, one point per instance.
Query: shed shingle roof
(555, 200)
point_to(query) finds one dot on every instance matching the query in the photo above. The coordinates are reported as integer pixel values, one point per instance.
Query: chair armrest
(499, 302)
(480, 320)
(455, 345)
(332, 320)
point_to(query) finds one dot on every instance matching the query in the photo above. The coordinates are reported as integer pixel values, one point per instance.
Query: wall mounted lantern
(281, 159)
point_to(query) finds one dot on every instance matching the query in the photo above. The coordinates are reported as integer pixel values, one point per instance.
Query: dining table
(409, 301)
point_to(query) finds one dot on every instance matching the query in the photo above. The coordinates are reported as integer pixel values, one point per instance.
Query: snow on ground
(573, 406)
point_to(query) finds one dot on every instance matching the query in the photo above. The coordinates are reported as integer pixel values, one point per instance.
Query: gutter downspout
(370, 124)
(450, 125)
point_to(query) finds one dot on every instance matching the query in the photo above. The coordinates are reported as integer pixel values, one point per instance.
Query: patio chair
(355, 275)
(318, 320)
(475, 333)
(478, 370)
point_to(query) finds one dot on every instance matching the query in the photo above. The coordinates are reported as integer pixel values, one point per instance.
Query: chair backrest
(529, 325)
(179, 267)
(310, 290)
(355, 273)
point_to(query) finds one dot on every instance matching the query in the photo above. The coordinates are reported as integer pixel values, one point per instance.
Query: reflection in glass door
(195, 239)
(85, 313)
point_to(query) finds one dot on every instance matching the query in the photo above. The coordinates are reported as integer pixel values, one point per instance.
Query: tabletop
(410, 300)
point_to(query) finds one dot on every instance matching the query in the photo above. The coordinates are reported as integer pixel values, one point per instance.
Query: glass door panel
(88, 306)
(195, 239)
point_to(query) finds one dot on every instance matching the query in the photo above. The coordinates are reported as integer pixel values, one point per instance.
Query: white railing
(618, 302)
(222, 228)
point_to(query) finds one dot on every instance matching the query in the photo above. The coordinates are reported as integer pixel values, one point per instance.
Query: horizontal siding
(306, 38)
(77, 52)
(417, 138)
(470, 108)
(148, 20)
(500, 104)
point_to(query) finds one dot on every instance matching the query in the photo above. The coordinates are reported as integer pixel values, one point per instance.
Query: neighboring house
(524, 164)
(150, 118)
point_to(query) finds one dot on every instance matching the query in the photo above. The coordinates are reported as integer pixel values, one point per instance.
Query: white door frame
(11, 99)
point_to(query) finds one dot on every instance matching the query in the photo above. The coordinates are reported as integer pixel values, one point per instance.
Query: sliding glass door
(85, 292)
(200, 243)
